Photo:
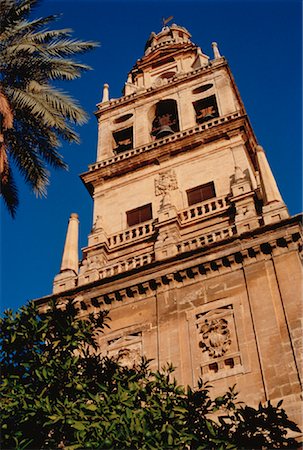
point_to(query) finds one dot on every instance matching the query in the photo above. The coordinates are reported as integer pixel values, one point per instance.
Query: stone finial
(216, 50)
(129, 78)
(70, 259)
(269, 186)
(105, 97)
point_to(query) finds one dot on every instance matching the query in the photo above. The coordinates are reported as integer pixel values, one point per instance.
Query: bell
(165, 130)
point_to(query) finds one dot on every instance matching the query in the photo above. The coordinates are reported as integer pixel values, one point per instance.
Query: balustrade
(203, 209)
(131, 234)
(206, 239)
(123, 266)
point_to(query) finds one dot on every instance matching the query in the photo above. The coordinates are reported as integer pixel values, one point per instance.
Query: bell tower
(192, 248)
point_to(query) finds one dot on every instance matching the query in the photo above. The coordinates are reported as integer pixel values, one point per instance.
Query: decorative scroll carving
(165, 182)
(216, 337)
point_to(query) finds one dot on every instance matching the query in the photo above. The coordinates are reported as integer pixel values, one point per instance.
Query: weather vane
(165, 21)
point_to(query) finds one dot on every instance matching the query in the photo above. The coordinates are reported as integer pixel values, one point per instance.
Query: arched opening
(166, 120)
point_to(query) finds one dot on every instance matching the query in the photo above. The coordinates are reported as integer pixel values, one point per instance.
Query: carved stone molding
(242, 254)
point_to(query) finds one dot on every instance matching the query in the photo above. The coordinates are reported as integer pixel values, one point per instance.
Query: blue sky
(262, 41)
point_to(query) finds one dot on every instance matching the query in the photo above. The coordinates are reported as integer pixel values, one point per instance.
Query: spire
(216, 50)
(70, 253)
(269, 186)
(105, 97)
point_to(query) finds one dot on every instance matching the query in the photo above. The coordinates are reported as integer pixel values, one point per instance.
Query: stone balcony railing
(125, 265)
(131, 234)
(165, 140)
(203, 209)
(206, 239)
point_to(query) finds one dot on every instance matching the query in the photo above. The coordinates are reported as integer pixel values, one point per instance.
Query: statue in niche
(216, 337)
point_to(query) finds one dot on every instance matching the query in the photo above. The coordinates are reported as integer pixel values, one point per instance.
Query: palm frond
(29, 164)
(64, 47)
(37, 105)
(12, 12)
(24, 27)
(64, 104)
(41, 138)
(63, 69)
(8, 189)
(35, 116)
(46, 36)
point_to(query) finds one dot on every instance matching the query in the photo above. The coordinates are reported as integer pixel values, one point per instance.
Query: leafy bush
(56, 392)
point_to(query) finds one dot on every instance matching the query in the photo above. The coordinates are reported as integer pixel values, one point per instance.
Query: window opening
(166, 119)
(206, 109)
(200, 193)
(123, 139)
(139, 215)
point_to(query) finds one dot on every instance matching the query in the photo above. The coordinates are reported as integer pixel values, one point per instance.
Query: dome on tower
(168, 36)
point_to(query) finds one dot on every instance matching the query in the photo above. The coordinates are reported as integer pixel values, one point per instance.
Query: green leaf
(79, 426)
(91, 407)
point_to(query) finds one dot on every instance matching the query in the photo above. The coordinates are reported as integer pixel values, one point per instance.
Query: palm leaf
(8, 190)
(29, 164)
(64, 47)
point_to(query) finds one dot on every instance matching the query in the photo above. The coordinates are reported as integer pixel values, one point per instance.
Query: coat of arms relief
(216, 337)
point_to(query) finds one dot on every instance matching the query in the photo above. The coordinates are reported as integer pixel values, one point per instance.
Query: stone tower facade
(192, 248)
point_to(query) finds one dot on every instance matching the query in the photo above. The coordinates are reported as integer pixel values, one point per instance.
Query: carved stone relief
(129, 357)
(165, 182)
(126, 350)
(217, 342)
(216, 337)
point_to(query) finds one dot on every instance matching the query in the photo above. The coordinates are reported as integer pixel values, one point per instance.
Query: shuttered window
(139, 215)
(200, 193)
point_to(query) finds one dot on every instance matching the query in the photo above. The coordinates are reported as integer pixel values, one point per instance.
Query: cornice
(229, 255)
(180, 142)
